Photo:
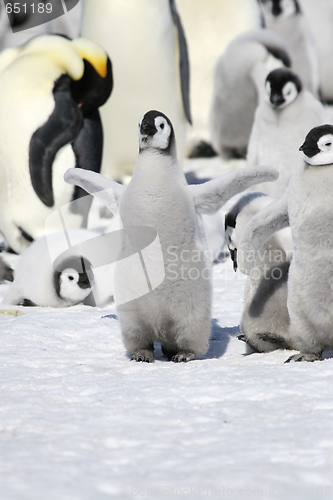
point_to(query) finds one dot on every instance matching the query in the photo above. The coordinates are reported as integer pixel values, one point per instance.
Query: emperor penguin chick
(239, 79)
(175, 308)
(307, 208)
(287, 19)
(46, 281)
(281, 122)
(265, 319)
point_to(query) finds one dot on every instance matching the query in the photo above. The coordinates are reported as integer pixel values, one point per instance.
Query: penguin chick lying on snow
(265, 319)
(175, 306)
(307, 208)
(6, 272)
(41, 278)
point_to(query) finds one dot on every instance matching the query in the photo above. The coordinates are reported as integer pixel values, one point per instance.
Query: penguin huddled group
(306, 208)
(281, 310)
(58, 154)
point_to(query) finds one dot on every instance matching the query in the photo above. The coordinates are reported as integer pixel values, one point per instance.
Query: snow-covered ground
(79, 421)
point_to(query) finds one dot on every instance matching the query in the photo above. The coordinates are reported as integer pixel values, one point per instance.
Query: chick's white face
(324, 155)
(288, 8)
(283, 98)
(154, 133)
(268, 92)
(289, 93)
(71, 287)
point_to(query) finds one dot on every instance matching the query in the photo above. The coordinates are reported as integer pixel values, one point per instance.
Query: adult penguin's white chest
(140, 38)
(34, 103)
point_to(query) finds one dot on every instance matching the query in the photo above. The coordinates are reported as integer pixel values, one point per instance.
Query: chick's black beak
(276, 100)
(83, 281)
(147, 128)
(307, 150)
(86, 279)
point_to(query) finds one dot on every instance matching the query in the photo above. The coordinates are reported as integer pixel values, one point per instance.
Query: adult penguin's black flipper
(87, 147)
(184, 61)
(62, 127)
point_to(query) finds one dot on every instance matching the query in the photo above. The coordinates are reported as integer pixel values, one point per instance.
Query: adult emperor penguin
(151, 70)
(286, 18)
(6, 272)
(320, 17)
(177, 312)
(238, 87)
(265, 320)
(280, 124)
(44, 278)
(50, 91)
(217, 22)
(306, 207)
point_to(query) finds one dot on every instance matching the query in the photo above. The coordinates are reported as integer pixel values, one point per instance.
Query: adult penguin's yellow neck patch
(93, 53)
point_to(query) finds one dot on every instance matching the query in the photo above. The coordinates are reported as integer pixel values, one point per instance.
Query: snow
(79, 421)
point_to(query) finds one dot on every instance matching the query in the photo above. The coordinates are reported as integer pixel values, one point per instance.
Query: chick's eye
(70, 278)
(162, 125)
(328, 144)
